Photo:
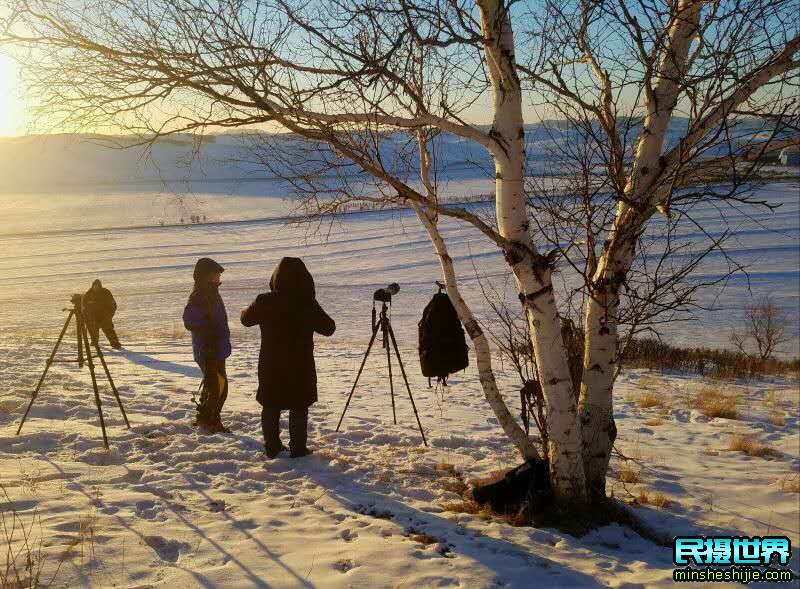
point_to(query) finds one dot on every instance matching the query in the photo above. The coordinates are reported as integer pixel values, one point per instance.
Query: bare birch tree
(763, 330)
(346, 77)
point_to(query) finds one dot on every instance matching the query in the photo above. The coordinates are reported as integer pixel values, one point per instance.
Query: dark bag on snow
(442, 347)
(515, 487)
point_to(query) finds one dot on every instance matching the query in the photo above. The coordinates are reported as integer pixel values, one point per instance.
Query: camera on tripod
(384, 295)
(382, 323)
(76, 300)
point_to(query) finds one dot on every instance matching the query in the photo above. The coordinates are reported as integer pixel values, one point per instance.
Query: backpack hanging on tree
(442, 347)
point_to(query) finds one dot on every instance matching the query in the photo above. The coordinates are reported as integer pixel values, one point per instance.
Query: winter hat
(97, 283)
(292, 277)
(204, 268)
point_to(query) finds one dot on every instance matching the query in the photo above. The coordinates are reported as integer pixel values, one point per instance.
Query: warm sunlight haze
(399, 294)
(11, 108)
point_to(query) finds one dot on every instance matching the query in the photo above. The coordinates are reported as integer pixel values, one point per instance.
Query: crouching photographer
(99, 308)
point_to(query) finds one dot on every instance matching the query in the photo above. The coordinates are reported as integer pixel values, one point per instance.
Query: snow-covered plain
(169, 506)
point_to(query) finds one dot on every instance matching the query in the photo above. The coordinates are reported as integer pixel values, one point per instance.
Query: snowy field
(167, 506)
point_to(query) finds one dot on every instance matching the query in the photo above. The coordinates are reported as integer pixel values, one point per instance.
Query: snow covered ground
(168, 506)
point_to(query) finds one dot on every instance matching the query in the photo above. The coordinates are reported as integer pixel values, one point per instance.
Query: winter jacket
(289, 316)
(205, 316)
(99, 304)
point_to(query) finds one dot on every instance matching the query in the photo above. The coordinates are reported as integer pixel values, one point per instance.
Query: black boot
(272, 452)
(298, 432)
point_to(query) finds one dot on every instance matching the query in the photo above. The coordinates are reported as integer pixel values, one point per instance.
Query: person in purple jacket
(206, 318)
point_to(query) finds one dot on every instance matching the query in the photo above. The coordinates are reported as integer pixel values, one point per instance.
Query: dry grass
(22, 563)
(790, 483)
(776, 403)
(773, 399)
(468, 506)
(750, 446)
(446, 469)
(643, 497)
(451, 479)
(712, 402)
(777, 419)
(657, 355)
(648, 381)
(648, 399)
(421, 537)
(628, 473)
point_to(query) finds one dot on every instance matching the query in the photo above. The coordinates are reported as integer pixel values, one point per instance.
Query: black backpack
(442, 347)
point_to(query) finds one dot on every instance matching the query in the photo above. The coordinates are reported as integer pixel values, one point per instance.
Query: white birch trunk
(532, 275)
(671, 74)
(600, 349)
(596, 405)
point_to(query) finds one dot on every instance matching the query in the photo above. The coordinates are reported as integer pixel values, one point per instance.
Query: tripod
(83, 347)
(384, 324)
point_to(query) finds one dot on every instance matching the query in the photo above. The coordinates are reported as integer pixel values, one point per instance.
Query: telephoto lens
(384, 295)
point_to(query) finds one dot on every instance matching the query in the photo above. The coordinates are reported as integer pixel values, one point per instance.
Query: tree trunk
(530, 270)
(596, 405)
(600, 348)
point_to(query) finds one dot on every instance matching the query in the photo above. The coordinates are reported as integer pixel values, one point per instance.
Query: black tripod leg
(384, 324)
(46, 368)
(85, 336)
(111, 382)
(364, 361)
(78, 331)
(405, 379)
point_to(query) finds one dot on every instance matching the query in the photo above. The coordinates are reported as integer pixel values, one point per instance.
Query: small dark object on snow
(442, 347)
(519, 485)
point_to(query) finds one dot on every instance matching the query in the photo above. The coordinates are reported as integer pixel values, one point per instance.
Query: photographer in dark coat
(206, 318)
(99, 307)
(289, 316)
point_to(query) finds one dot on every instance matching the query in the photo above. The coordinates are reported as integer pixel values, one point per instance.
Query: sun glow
(11, 105)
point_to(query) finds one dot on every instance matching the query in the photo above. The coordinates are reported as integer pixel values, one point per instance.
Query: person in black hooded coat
(289, 316)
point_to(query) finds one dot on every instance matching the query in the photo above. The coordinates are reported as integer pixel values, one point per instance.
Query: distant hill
(75, 162)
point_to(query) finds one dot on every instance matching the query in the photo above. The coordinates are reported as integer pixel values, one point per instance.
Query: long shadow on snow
(485, 550)
(156, 364)
(251, 575)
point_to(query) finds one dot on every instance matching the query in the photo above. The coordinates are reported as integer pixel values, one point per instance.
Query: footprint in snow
(169, 550)
(348, 535)
(147, 509)
(245, 524)
(344, 565)
(216, 506)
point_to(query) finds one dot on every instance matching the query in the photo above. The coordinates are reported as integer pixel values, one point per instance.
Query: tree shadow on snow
(157, 364)
(162, 545)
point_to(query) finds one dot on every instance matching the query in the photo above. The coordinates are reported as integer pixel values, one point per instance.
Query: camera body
(384, 295)
(76, 300)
